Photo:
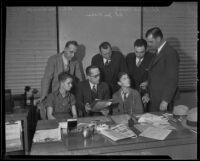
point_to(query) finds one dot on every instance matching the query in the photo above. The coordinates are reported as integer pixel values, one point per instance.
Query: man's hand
(163, 106)
(87, 107)
(145, 98)
(144, 85)
(105, 112)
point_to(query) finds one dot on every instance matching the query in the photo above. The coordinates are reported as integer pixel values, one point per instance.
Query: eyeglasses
(95, 76)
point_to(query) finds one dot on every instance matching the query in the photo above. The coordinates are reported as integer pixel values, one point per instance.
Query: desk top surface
(74, 143)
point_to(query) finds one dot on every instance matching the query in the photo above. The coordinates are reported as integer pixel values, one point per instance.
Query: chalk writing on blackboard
(116, 12)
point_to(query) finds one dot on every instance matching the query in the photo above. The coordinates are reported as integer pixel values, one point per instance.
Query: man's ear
(119, 83)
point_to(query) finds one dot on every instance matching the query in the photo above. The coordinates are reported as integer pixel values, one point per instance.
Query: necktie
(94, 89)
(139, 62)
(125, 95)
(107, 62)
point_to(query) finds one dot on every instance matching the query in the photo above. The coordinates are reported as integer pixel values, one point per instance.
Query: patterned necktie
(94, 89)
(139, 62)
(106, 63)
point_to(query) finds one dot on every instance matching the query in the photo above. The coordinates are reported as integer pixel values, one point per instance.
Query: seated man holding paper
(61, 103)
(91, 90)
(129, 99)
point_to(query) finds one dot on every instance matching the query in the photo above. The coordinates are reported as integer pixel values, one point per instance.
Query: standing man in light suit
(62, 62)
(163, 72)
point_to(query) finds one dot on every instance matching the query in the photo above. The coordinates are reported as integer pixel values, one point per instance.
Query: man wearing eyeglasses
(90, 90)
(56, 64)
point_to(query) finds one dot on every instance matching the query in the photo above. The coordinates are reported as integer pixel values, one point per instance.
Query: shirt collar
(104, 60)
(67, 93)
(137, 59)
(91, 85)
(161, 46)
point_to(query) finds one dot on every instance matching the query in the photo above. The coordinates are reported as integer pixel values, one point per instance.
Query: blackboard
(90, 26)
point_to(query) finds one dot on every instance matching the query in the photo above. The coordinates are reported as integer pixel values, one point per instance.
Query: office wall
(30, 40)
(90, 26)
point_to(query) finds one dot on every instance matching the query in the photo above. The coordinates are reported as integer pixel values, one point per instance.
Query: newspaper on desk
(118, 132)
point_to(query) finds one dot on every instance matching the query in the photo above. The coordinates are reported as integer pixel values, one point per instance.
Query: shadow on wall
(190, 100)
(80, 54)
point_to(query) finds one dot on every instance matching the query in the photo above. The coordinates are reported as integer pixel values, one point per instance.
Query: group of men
(140, 82)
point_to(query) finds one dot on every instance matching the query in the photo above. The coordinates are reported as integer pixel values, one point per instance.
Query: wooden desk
(180, 144)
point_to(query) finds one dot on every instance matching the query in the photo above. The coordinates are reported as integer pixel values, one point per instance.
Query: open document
(99, 105)
(118, 132)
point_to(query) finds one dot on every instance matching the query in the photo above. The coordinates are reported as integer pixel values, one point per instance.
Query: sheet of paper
(13, 130)
(47, 135)
(13, 134)
(155, 133)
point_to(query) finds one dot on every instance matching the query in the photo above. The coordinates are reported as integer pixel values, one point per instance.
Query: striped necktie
(94, 89)
(139, 62)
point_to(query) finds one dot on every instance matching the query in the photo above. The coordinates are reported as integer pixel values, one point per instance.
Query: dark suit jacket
(109, 74)
(132, 105)
(84, 94)
(138, 74)
(163, 77)
(53, 68)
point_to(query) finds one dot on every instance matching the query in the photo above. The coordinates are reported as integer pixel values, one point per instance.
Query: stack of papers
(118, 132)
(150, 120)
(155, 133)
(13, 133)
(154, 119)
(47, 135)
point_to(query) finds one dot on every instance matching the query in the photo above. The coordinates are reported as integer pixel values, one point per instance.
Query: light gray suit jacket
(53, 68)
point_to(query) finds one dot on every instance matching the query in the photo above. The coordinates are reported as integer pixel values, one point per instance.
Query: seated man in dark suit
(91, 89)
(110, 64)
(138, 63)
(61, 103)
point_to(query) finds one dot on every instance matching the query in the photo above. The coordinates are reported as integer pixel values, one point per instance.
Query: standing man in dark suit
(90, 90)
(110, 64)
(163, 72)
(137, 65)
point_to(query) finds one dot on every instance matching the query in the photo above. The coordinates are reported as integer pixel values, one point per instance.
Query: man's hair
(71, 42)
(63, 76)
(104, 45)
(155, 31)
(140, 42)
(88, 69)
(120, 74)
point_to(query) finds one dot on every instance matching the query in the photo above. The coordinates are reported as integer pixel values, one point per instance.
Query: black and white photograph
(100, 81)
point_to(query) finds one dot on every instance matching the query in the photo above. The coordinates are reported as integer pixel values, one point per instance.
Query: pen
(193, 131)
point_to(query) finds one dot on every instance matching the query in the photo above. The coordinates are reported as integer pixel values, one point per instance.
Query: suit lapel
(60, 63)
(159, 56)
(88, 87)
